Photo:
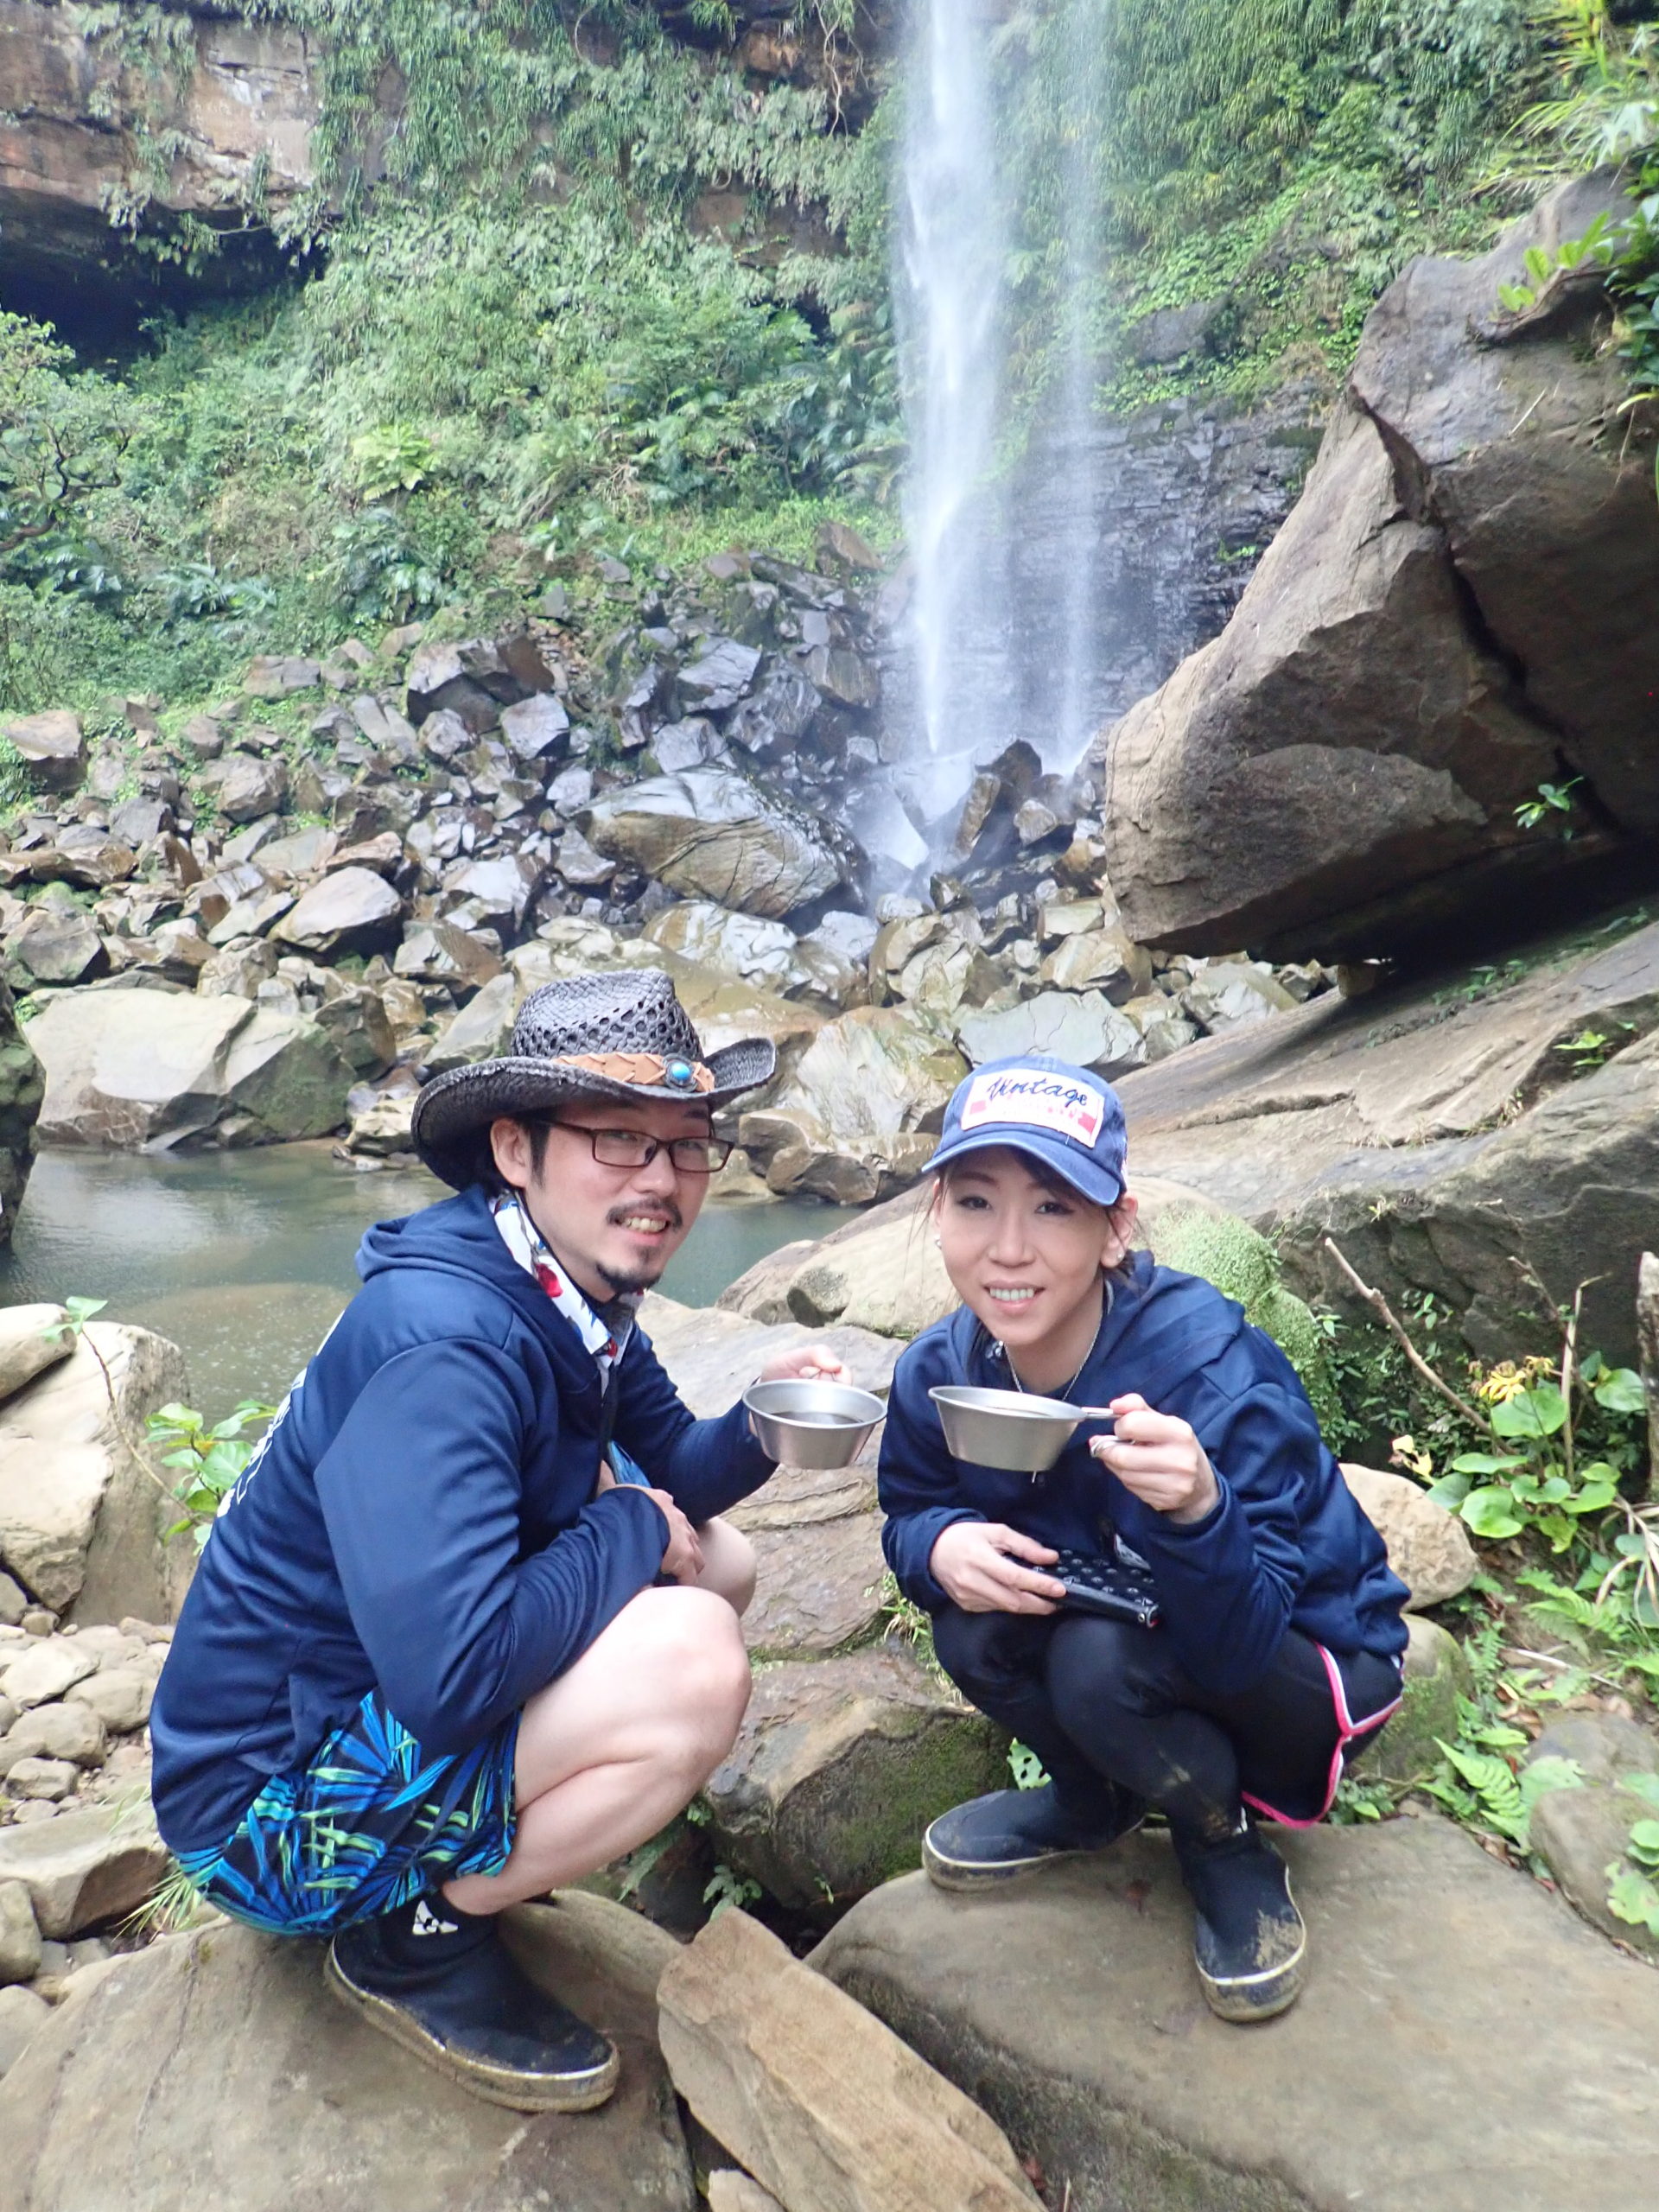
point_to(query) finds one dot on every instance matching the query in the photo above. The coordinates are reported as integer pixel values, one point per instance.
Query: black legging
(1095, 1698)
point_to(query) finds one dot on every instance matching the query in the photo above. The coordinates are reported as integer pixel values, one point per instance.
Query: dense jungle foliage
(612, 293)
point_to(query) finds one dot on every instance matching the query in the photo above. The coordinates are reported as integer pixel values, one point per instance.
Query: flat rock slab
(712, 1355)
(215, 2069)
(818, 1588)
(1463, 2045)
(83, 1867)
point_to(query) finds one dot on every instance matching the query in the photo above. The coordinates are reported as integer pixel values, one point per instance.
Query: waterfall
(996, 652)
(954, 249)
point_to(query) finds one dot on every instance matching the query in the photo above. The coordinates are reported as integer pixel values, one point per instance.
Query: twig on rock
(1385, 1314)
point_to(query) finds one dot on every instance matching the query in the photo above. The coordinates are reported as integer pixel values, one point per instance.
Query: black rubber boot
(991, 1840)
(442, 1984)
(1250, 1943)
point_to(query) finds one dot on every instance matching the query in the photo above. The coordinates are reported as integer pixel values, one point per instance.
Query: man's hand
(683, 1557)
(1159, 1459)
(806, 1363)
(971, 1561)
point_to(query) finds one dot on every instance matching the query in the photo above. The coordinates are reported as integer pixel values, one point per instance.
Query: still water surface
(244, 1259)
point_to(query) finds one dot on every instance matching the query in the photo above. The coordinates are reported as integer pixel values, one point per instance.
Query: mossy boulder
(1243, 1265)
(1437, 1675)
(839, 1766)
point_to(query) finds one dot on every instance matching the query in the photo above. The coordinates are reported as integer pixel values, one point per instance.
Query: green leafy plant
(1552, 799)
(394, 458)
(1592, 1048)
(1633, 1882)
(727, 1888)
(1595, 249)
(213, 1457)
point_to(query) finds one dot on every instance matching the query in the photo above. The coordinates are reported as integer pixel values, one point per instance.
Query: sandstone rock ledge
(1463, 2044)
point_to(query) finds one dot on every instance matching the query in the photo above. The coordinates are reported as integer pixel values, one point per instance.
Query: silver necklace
(1105, 1308)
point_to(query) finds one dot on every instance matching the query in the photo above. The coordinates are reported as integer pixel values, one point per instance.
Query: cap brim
(450, 1124)
(1096, 1184)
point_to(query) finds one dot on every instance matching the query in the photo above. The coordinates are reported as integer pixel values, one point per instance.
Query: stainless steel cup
(1008, 1429)
(811, 1424)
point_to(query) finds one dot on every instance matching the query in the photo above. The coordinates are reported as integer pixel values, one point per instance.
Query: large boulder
(50, 745)
(146, 1070)
(839, 1766)
(31, 1338)
(54, 944)
(857, 1118)
(82, 1509)
(1460, 604)
(215, 2069)
(711, 834)
(1458, 1993)
(1439, 1131)
(352, 909)
(21, 1088)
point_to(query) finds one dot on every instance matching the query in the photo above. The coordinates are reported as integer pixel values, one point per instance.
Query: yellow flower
(1502, 1382)
(1408, 1453)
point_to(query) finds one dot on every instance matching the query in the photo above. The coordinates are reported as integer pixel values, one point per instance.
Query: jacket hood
(458, 1236)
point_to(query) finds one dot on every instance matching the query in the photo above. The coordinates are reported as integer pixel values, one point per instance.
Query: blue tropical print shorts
(369, 1823)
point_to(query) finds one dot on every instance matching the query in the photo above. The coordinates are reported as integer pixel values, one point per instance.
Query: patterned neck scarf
(605, 1334)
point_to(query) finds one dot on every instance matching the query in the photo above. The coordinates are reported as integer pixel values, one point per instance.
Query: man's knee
(730, 1565)
(702, 1666)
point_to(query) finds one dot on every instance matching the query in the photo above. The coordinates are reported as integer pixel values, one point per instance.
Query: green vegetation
(1243, 1265)
(567, 282)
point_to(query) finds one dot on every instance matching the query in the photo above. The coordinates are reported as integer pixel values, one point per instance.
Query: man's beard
(631, 1285)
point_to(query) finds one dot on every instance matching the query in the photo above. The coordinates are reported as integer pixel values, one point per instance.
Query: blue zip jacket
(421, 1518)
(1287, 1545)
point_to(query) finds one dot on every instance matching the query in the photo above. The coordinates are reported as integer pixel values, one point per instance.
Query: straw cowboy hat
(623, 1036)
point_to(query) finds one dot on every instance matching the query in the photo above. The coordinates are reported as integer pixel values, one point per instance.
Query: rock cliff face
(1458, 612)
(94, 126)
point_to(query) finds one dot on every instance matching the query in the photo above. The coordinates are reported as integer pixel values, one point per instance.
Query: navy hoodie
(421, 1518)
(1285, 1547)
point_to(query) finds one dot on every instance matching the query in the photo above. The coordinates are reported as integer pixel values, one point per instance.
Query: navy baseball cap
(1065, 1116)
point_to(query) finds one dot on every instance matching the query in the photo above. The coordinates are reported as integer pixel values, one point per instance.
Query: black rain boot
(442, 1983)
(990, 1839)
(1250, 1943)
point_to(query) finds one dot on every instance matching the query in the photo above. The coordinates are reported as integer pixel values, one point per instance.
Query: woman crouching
(1278, 1647)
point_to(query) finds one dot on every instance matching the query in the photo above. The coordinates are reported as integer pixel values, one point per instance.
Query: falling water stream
(984, 673)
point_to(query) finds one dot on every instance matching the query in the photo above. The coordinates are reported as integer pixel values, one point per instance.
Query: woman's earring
(938, 1246)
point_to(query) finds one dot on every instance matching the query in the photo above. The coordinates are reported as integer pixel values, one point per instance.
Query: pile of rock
(346, 877)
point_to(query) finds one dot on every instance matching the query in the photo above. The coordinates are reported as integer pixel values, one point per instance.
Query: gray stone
(482, 1031)
(13, 1604)
(710, 1354)
(872, 1087)
(80, 1518)
(1604, 1747)
(120, 1697)
(830, 2111)
(22, 2012)
(352, 910)
(60, 1730)
(838, 1767)
(20, 1939)
(29, 1777)
(1428, 1547)
(1434, 1129)
(1461, 1994)
(1581, 1835)
(43, 1670)
(54, 945)
(711, 834)
(130, 1068)
(86, 1866)
(31, 1338)
(1082, 1026)
(273, 676)
(243, 788)
(732, 2191)
(818, 1586)
(51, 746)
(22, 1085)
(722, 677)
(215, 2069)
(536, 728)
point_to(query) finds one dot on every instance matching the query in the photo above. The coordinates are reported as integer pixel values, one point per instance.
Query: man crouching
(468, 1627)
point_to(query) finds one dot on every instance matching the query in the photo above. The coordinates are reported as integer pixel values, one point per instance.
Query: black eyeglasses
(633, 1148)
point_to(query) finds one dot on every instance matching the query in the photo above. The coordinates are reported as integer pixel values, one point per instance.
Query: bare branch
(1385, 1314)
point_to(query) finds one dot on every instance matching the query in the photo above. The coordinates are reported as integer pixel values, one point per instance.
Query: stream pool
(245, 1258)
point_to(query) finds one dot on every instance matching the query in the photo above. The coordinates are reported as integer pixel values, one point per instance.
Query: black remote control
(1105, 1587)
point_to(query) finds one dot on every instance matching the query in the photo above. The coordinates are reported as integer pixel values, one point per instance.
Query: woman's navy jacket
(420, 1520)
(1287, 1547)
